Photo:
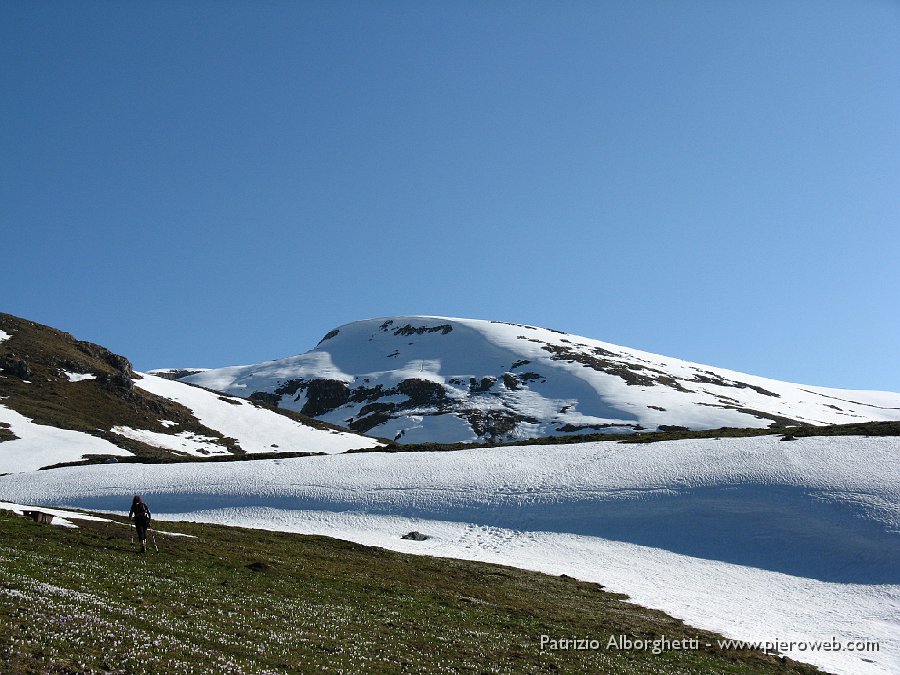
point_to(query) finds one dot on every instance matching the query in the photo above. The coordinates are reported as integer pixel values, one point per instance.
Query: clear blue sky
(214, 183)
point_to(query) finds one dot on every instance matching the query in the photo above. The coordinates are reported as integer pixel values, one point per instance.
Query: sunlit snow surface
(38, 445)
(79, 377)
(185, 442)
(756, 538)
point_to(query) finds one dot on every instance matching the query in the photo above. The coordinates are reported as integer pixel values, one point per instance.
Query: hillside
(435, 379)
(246, 601)
(63, 399)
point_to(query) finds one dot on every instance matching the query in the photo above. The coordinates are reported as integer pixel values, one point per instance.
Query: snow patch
(78, 377)
(38, 445)
(426, 429)
(61, 518)
(185, 441)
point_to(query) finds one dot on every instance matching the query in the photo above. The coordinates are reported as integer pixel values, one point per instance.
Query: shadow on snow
(778, 528)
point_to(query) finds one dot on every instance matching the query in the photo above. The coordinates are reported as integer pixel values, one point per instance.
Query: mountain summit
(438, 379)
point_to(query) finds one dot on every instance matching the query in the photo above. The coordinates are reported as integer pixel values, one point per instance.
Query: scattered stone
(408, 330)
(15, 367)
(469, 598)
(330, 334)
(510, 381)
(175, 374)
(119, 381)
(325, 395)
(265, 397)
(39, 517)
(422, 392)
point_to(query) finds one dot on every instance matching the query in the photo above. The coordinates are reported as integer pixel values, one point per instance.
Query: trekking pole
(153, 534)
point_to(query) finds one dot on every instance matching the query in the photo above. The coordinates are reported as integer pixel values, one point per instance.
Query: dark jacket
(139, 511)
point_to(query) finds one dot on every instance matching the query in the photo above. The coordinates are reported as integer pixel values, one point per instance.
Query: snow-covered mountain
(437, 379)
(63, 400)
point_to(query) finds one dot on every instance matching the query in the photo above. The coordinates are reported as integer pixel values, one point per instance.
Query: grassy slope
(82, 601)
(91, 406)
(95, 406)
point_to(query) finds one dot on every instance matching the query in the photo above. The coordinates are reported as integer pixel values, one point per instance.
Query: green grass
(249, 601)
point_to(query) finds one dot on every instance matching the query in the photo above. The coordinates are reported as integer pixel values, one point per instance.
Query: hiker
(141, 515)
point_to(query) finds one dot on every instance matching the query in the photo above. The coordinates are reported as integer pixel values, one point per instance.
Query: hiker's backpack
(141, 512)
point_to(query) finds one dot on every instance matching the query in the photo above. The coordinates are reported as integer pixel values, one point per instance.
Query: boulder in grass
(39, 517)
(15, 367)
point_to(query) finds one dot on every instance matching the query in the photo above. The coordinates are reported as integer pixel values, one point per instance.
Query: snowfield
(756, 538)
(39, 445)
